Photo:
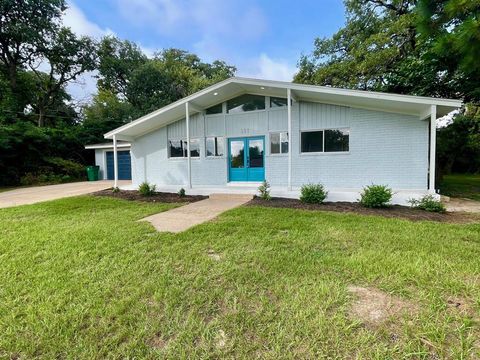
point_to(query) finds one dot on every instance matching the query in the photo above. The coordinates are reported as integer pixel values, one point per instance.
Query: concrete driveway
(32, 195)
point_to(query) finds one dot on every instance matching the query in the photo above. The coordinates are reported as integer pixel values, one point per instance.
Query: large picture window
(279, 143)
(178, 148)
(214, 146)
(329, 140)
(245, 103)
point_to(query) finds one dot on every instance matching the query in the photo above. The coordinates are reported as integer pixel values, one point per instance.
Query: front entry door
(246, 159)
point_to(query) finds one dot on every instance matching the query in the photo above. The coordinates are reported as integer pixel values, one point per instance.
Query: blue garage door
(124, 165)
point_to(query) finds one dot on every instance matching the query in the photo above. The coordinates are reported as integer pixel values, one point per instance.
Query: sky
(262, 38)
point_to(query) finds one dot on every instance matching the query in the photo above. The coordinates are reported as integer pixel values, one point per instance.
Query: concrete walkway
(32, 195)
(184, 217)
(463, 205)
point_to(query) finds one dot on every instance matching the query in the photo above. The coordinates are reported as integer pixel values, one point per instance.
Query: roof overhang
(107, 146)
(404, 104)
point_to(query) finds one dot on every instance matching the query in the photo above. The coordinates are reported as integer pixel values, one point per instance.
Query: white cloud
(75, 19)
(264, 67)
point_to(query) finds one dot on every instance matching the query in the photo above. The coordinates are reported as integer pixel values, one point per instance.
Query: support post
(289, 114)
(433, 140)
(189, 160)
(115, 162)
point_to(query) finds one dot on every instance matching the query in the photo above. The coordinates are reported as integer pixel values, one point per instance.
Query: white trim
(106, 146)
(433, 140)
(189, 156)
(115, 162)
(289, 132)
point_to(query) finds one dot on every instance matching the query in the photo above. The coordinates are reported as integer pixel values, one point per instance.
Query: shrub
(428, 203)
(313, 194)
(145, 189)
(115, 190)
(181, 192)
(264, 190)
(376, 196)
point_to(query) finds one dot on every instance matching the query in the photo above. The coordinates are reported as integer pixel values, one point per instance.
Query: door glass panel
(237, 152)
(255, 153)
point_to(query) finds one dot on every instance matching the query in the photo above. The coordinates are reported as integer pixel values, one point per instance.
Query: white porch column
(289, 112)
(115, 162)
(189, 160)
(433, 139)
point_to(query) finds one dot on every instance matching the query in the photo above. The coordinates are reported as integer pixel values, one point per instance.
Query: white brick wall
(385, 148)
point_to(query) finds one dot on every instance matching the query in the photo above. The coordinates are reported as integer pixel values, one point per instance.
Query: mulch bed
(157, 197)
(394, 211)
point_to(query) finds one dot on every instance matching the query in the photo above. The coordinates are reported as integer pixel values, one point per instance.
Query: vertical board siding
(215, 125)
(385, 148)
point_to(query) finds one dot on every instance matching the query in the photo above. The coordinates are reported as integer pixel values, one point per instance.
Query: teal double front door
(246, 159)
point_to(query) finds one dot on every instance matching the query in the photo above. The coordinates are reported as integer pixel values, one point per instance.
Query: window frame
(184, 140)
(215, 156)
(323, 145)
(280, 143)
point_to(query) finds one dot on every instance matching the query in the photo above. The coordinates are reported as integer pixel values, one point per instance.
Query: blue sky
(263, 39)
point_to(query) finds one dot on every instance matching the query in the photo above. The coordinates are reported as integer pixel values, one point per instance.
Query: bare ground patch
(213, 255)
(393, 211)
(159, 342)
(374, 307)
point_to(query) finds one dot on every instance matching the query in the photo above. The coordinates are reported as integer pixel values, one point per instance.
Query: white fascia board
(106, 146)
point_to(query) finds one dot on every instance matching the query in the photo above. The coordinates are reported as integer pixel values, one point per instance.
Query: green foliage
(376, 196)
(313, 193)
(264, 190)
(146, 189)
(115, 190)
(428, 203)
(458, 144)
(181, 192)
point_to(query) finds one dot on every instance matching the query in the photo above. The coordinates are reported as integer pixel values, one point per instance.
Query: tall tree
(67, 56)
(24, 26)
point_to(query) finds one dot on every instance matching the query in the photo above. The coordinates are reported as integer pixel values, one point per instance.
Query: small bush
(428, 203)
(181, 192)
(115, 190)
(264, 190)
(313, 194)
(145, 189)
(376, 196)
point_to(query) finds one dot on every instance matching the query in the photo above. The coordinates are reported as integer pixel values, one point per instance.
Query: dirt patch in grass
(374, 307)
(159, 342)
(394, 211)
(162, 197)
(213, 255)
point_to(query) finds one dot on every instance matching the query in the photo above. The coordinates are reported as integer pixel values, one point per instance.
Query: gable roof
(405, 104)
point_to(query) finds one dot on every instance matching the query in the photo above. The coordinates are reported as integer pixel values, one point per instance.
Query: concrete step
(220, 196)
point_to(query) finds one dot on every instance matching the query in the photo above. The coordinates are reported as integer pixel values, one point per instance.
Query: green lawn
(464, 186)
(81, 278)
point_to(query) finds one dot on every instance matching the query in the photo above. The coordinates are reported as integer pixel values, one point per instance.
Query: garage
(124, 165)
(104, 160)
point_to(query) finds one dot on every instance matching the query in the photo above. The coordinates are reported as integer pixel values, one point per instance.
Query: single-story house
(104, 160)
(233, 135)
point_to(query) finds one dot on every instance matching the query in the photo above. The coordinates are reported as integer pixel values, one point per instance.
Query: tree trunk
(41, 117)
(12, 76)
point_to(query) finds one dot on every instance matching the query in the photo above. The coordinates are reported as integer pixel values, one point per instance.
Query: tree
(24, 27)
(451, 29)
(67, 57)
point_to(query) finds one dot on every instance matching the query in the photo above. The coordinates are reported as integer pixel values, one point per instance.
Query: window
(246, 103)
(312, 141)
(279, 143)
(214, 146)
(331, 140)
(337, 140)
(216, 109)
(178, 148)
(277, 102)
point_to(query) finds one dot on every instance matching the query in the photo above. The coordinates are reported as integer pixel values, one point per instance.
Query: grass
(461, 185)
(81, 278)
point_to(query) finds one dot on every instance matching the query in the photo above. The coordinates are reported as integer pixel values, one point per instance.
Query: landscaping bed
(393, 211)
(163, 197)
